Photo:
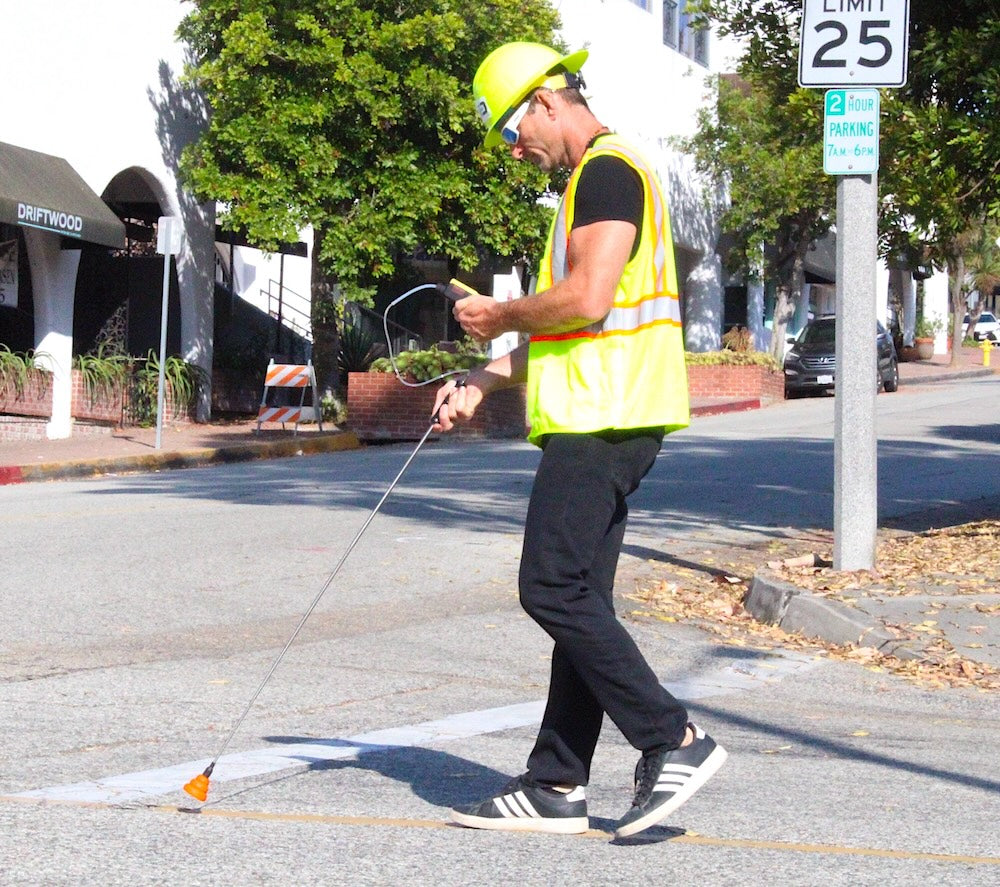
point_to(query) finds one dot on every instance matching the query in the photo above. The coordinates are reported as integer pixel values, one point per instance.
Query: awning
(41, 191)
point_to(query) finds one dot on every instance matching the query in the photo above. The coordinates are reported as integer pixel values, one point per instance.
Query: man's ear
(547, 100)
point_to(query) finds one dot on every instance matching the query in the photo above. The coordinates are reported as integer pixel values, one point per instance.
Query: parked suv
(987, 327)
(811, 364)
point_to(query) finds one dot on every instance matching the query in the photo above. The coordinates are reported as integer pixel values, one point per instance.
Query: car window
(818, 333)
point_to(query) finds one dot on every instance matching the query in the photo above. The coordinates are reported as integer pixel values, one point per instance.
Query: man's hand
(455, 401)
(480, 317)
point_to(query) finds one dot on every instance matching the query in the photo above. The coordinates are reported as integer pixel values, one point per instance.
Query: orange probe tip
(198, 787)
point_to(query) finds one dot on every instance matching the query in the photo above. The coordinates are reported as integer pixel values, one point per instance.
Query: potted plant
(924, 331)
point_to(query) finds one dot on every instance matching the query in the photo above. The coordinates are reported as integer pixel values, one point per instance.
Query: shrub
(731, 358)
(422, 366)
(738, 339)
(183, 380)
(16, 368)
(358, 350)
(927, 328)
(102, 373)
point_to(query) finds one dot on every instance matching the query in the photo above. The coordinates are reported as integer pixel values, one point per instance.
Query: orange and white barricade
(284, 376)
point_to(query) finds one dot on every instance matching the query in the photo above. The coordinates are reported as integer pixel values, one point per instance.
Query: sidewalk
(187, 445)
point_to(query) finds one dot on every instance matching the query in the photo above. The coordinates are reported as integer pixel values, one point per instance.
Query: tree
(757, 145)
(941, 141)
(940, 133)
(981, 254)
(357, 119)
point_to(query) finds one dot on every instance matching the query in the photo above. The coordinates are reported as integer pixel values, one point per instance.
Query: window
(693, 35)
(670, 23)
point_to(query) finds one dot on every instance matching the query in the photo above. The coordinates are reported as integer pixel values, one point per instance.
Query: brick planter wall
(744, 382)
(34, 400)
(106, 407)
(380, 408)
(110, 408)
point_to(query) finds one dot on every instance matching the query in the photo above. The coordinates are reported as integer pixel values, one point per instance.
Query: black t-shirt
(609, 189)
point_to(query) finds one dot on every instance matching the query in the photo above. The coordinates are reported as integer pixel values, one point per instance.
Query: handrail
(402, 338)
(294, 312)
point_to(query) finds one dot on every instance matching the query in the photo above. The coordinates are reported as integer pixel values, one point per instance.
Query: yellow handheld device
(456, 290)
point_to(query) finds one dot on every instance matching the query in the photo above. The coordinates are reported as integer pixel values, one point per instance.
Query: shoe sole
(705, 772)
(570, 825)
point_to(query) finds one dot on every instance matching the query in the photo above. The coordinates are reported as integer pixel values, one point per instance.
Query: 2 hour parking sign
(854, 43)
(850, 132)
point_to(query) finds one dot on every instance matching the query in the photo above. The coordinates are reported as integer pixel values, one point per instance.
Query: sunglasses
(510, 133)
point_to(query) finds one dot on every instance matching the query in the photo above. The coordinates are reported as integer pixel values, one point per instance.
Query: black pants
(572, 538)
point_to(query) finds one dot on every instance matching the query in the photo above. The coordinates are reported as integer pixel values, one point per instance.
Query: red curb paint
(11, 474)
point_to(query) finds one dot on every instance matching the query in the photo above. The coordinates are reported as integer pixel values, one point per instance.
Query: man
(605, 377)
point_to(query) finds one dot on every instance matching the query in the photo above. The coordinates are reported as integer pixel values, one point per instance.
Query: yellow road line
(390, 822)
(692, 839)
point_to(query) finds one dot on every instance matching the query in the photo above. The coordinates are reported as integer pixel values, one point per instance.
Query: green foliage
(333, 409)
(358, 349)
(357, 119)
(16, 369)
(778, 195)
(102, 373)
(928, 327)
(732, 358)
(182, 381)
(421, 366)
(982, 257)
(940, 133)
(780, 202)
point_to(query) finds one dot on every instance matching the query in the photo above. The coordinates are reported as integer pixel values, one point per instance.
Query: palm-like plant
(982, 265)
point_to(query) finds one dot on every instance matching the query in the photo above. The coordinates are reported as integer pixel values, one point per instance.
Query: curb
(726, 406)
(947, 377)
(327, 443)
(794, 609)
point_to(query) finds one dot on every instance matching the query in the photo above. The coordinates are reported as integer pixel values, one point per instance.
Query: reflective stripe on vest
(627, 370)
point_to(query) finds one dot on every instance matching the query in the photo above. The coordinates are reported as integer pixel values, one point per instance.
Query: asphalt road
(141, 613)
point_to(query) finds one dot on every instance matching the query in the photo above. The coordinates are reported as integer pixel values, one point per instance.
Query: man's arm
(597, 257)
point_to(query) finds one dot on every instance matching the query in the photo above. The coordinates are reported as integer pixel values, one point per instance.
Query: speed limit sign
(854, 42)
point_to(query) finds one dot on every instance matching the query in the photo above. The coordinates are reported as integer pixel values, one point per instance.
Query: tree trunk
(326, 333)
(784, 309)
(789, 295)
(956, 292)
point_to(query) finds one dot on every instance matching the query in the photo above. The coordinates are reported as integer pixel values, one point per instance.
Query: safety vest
(627, 370)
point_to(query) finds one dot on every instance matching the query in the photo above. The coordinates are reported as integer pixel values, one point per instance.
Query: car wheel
(892, 383)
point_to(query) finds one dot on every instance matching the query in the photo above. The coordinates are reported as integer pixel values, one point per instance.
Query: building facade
(98, 86)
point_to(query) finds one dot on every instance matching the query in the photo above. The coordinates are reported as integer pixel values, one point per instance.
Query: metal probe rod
(316, 600)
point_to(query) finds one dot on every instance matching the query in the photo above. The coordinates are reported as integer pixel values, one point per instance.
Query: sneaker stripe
(522, 799)
(507, 809)
(682, 770)
(515, 806)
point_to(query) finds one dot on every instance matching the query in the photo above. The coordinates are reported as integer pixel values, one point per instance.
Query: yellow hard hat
(509, 73)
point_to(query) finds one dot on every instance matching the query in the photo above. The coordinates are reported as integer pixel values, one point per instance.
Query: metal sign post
(853, 44)
(168, 243)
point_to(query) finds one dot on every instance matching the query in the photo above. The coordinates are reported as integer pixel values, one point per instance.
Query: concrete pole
(53, 280)
(855, 476)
